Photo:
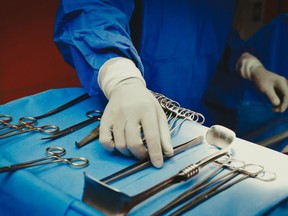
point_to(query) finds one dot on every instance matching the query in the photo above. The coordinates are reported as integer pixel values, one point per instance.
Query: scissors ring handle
(55, 151)
(49, 129)
(230, 163)
(224, 160)
(252, 170)
(94, 113)
(27, 120)
(267, 176)
(5, 118)
(78, 161)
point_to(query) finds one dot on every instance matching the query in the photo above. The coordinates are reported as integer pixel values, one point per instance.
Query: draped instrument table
(56, 189)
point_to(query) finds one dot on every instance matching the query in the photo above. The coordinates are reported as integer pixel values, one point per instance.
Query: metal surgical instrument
(174, 111)
(144, 163)
(5, 121)
(237, 167)
(122, 203)
(26, 124)
(93, 116)
(64, 106)
(93, 135)
(247, 171)
(204, 183)
(54, 155)
(101, 195)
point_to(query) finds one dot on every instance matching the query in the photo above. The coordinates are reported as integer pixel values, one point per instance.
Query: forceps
(225, 160)
(93, 116)
(220, 183)
(26, 125)
(54, 155)
(5, 121)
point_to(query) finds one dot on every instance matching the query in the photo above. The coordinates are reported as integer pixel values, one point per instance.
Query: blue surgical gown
(247, 111)
(175, 44)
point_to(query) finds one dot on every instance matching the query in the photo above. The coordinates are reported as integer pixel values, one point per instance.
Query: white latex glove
(274, 86)
(132, 110)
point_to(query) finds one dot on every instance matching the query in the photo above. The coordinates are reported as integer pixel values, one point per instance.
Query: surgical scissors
(247, 171)
(93, 115)
(6, 119)
(54, 155)
(197, 187)
(26, 125)
(237, 167)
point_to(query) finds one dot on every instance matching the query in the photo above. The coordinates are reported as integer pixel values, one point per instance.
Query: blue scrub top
(175, 44)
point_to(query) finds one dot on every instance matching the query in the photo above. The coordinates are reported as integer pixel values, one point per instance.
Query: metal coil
(189, 171)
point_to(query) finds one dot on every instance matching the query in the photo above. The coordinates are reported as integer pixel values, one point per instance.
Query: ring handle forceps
(54, 155)
(26, 124)
(202, 184)
(236, 166)
(94, 189)
(93, 116)
(247, 171)
(5, 121)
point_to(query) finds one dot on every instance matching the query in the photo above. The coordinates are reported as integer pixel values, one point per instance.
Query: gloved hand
(274, 86)
(132, 110)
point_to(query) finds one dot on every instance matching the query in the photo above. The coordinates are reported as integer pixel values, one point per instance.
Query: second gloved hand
(274, 86)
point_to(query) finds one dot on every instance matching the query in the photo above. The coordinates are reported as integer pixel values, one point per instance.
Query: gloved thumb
(273, 97)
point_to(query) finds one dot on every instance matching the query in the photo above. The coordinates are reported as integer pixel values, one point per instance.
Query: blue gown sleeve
(237, 47)
(89, 32)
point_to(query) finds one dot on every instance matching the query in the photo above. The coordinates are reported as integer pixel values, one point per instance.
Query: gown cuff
(116, 70)
(246, 65)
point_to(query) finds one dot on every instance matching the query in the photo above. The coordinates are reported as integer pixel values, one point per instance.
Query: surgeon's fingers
(119, 140)
(134, 139)
(152, 136)
(165, 136)
(272, 96)
(105, 135)
(282, 90)
(284, 105)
